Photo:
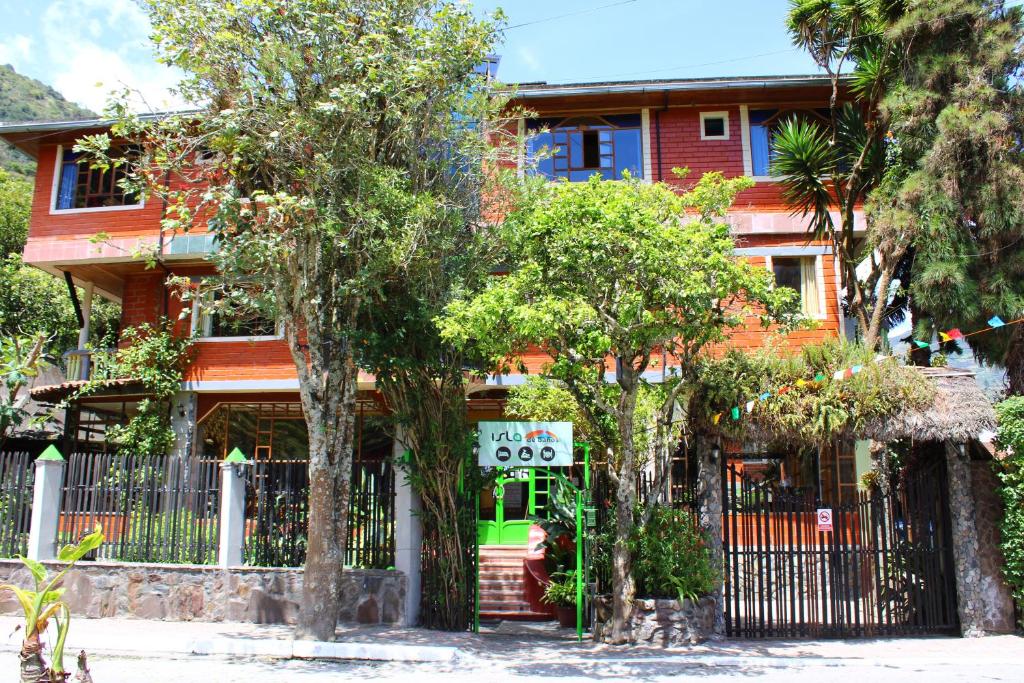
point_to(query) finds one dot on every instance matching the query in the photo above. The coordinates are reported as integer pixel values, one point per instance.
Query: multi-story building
(241, 389)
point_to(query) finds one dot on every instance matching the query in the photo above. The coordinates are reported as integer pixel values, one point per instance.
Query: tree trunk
(623, 584)
(330, 418)
(709, 501)
(1015, 363)
(431, 408)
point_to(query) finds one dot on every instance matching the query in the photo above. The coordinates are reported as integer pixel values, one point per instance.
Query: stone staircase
(503, 585)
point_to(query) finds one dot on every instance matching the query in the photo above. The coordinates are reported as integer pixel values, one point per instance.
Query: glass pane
(628, 153)
(714, 127)
(759, 150)
(787, 272)
(516, 499)
(576, 150)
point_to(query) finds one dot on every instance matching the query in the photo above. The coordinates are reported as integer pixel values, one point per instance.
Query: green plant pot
(566, 616)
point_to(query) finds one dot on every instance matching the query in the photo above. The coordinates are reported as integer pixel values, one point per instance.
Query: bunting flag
(995, 322)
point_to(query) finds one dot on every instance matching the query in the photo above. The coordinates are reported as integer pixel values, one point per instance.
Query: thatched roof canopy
(959, 412)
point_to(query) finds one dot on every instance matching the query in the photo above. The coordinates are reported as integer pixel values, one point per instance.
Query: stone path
(132, 651)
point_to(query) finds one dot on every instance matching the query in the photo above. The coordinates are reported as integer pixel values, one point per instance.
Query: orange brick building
(241, 388)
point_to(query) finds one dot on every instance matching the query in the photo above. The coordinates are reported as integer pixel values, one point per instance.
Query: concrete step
(502, 615)
(504, 605)
(501, 596)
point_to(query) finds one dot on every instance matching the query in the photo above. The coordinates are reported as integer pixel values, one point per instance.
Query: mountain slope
(26, 99)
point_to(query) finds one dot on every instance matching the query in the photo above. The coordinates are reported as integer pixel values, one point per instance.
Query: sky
(85, 48)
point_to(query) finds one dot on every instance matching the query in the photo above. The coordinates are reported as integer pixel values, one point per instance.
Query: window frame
(819, 281)
(705, 115)
(748, 128)
(197, 322)
(579, 126)
(55, 193)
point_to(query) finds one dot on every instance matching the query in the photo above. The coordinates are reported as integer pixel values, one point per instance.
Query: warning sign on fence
(824, 519)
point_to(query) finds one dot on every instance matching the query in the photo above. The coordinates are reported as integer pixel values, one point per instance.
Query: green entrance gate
(507, 510)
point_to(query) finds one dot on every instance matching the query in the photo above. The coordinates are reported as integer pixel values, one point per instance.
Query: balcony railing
(85, 364)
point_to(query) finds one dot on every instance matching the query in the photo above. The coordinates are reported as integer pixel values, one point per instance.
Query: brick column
(966, 559)
(42, 535)
(408, 534)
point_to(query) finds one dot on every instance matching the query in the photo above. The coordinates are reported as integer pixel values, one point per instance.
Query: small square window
(714, 125)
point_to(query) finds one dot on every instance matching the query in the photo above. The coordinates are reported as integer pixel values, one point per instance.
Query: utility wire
(755, 56)
(570, 14)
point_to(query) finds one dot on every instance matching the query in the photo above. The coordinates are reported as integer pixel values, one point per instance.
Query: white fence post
(232, 509)
(42, 535)
(408, 535)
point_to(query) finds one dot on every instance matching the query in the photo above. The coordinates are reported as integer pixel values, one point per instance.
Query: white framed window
(79, 188)
(804, 274)
(210, 325)
(714, 125)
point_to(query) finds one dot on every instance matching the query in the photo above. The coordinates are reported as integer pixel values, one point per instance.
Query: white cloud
(529, 58)
(16, 51)
(96, 47)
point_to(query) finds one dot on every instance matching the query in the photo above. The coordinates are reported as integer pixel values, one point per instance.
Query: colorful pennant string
(995, 322)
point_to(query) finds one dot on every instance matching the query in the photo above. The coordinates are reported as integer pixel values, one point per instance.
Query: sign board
(824, 519)
(525, 444)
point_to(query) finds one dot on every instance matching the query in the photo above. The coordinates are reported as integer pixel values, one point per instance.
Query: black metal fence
(277, 515)
(151, 508)
(17, 475)
(885, 568)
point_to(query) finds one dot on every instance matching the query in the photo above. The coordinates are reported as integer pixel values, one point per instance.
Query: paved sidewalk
(254, 653)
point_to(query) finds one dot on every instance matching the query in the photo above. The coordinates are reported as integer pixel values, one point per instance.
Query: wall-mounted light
(716, 453)
(961, 449)
(181, 410)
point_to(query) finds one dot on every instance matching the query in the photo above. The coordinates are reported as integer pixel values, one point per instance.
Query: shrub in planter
(561, 593)
(670, 558)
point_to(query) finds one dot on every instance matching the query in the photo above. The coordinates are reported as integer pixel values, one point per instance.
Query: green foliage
(561, 591)
(169, 532)
(26, 99)
(46, 601)
(671, 558)
(608, 276)
(1010, 440)
(21, 359)
(814, 412)
(15, 208)
(156, 357)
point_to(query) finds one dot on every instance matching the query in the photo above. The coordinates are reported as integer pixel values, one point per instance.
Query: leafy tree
(832, 167)
(955, 108)
(22, 359)
(1010, 440)
(326, 126)
(15, 208)
(607, 276)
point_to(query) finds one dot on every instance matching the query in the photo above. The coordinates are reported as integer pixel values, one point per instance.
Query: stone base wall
(668, 623)
(997, 601)
(201, 593)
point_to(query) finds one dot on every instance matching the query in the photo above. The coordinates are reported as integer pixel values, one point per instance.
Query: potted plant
(561, 593)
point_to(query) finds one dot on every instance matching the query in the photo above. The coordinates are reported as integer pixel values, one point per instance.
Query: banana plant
(46, 603)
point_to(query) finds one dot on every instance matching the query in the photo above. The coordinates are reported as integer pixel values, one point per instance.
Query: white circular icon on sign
(824, 519)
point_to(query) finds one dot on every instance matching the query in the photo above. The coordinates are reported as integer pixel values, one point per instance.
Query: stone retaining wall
(201, 593)
(669, 623)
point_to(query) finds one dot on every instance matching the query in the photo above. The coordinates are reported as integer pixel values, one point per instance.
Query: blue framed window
(81, 187)
(763, 124)
(577, 148)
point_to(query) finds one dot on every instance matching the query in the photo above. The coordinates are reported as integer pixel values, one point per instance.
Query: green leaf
(37, 569)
